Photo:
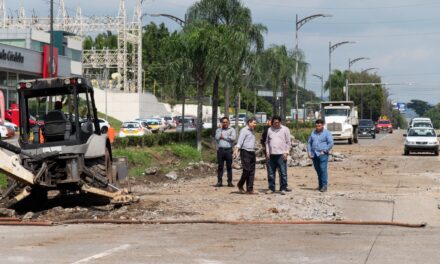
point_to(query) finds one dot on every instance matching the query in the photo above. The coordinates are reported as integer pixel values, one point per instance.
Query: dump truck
(66, 152)
(341, 119)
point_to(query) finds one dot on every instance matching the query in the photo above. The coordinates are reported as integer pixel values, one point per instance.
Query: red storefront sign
(46, 59)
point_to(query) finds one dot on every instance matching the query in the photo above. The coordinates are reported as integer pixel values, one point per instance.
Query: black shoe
(230, 184)
(287, 190)
(219, 184)
(323, 189)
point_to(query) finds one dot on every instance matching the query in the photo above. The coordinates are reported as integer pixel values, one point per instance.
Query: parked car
(366, 128)
(103, 125)
(420, 139)
(242, 119)
(12, 125)
(162, 122)
(384, 125)
(133, 128)
(188, 121)
(6, 132)
(171, 123)
(154, 125)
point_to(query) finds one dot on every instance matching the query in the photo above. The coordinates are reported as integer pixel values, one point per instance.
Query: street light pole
(350, 63)
(298, 25)
(331, 48)
(321, 77)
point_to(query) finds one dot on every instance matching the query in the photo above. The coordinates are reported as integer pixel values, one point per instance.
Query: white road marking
(103, 254)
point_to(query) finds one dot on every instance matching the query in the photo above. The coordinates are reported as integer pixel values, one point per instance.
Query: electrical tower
(128, 65)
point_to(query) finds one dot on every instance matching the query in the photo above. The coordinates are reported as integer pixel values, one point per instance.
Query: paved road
(212, 244)
(410, 182)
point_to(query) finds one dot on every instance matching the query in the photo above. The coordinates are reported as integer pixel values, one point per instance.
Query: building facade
(24, 55)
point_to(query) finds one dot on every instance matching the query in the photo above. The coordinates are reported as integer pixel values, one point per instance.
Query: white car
(3, 131)
(133, 129)
(103, 125)
(421, 139)
(12, 125)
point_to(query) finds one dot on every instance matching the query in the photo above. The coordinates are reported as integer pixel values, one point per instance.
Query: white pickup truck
(341, 119)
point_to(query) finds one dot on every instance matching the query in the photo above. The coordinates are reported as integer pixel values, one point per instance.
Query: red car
(384, 126)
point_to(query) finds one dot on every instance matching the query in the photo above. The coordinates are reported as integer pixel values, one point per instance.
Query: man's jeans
(320, 164)
(274, 162)
(222, 156)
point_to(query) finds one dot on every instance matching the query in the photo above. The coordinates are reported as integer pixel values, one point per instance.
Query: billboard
(401, 107)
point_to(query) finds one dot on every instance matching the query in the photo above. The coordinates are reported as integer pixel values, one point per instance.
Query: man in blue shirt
(319, 147)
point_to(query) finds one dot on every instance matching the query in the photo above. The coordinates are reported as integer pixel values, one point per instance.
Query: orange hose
(26, 223)
(257, 222)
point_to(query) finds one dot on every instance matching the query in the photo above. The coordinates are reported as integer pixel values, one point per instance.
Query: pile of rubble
(298, 156)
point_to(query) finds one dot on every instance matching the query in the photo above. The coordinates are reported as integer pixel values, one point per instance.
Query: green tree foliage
(419, 106)
(370, 99)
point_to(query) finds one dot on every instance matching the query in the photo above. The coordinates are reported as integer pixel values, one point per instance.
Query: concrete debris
(151, 171)
(298, 156)
(172, 175)
(28, 216)
(4, 212)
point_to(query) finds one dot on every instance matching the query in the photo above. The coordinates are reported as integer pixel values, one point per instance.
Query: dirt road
(376, 182)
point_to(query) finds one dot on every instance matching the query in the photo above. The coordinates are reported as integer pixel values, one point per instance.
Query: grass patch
(162, 157)
(3, 180)
(138, 159)
(185, 152)
(115, 123)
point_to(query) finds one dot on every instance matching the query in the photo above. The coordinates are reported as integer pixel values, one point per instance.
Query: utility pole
(350, 63)
(332, 48)
(298, 25)
(320, 77)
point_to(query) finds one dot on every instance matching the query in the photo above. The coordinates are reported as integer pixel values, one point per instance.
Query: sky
(400, 37)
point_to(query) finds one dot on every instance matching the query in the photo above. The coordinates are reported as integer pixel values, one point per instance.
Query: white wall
(125, 106)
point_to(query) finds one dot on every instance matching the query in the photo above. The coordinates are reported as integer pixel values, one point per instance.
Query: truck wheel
(104, 130)
(355, 136)
(436, 152)
(374, 136)
(350, 141)
(102, 166)
(406, 152)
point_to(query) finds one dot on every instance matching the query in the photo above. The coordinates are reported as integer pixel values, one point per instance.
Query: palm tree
(237, 19)
(199, 39)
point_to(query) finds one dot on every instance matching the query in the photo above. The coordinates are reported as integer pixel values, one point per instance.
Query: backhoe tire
(102, 166)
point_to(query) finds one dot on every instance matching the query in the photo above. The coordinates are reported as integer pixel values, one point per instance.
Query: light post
(362, 92)
(350, 63)
(332, 48)
(321, 77)
(298, 25)
(369, 69)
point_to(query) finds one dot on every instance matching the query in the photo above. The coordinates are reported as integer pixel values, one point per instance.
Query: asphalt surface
(215, 243)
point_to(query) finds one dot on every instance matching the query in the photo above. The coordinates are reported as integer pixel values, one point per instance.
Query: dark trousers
(320, 163)
(224, 155)
(248, 161)
(277, 162)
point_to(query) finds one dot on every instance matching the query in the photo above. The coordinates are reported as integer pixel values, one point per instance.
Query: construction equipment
(67, 152)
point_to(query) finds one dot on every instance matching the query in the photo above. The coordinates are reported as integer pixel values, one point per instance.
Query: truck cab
(341, 120)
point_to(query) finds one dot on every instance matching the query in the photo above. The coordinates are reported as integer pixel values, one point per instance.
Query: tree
(199, 39)
(419, 106)
(238, 22)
